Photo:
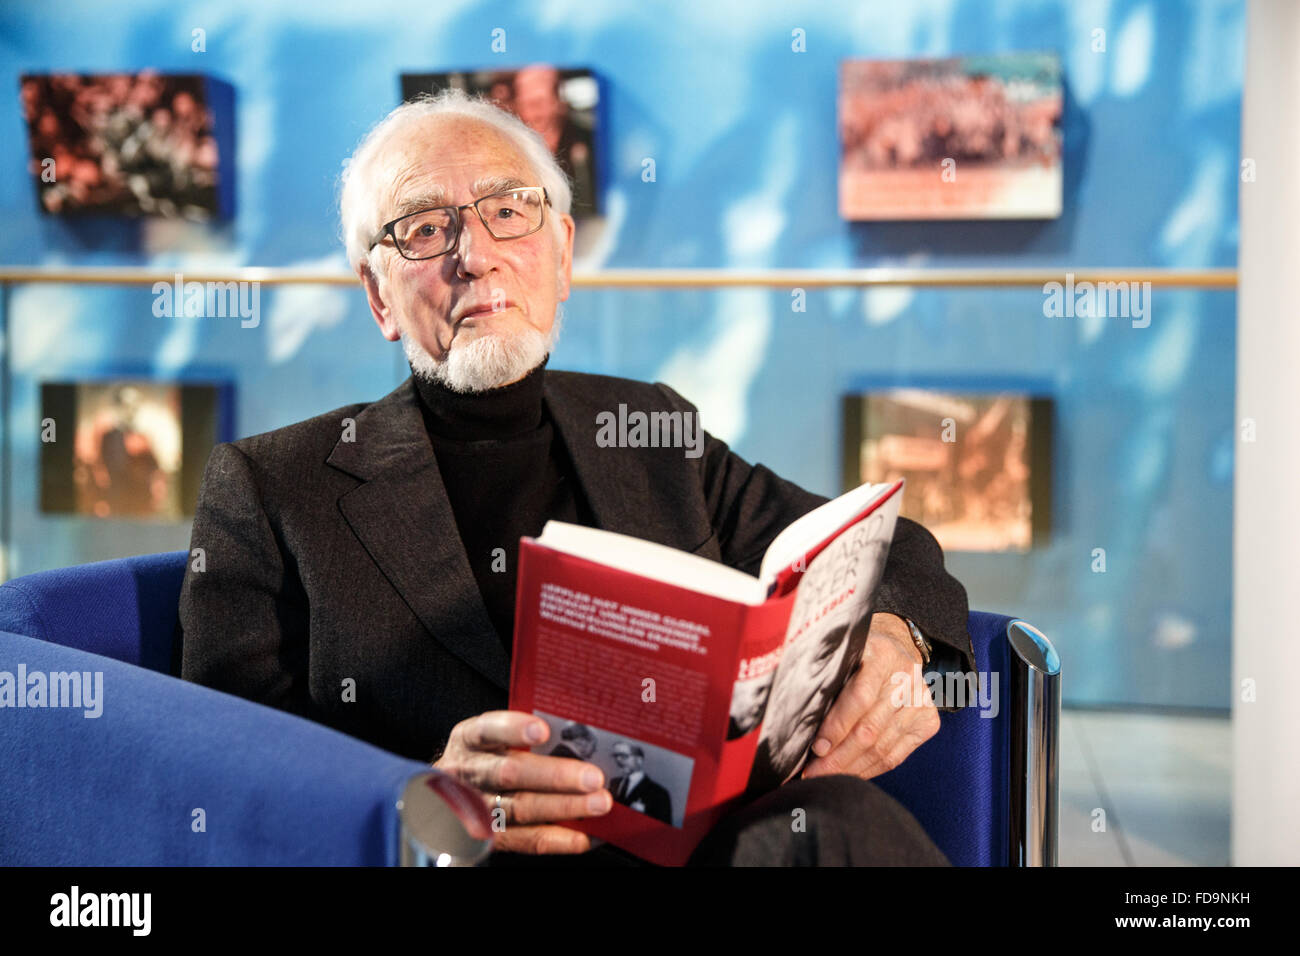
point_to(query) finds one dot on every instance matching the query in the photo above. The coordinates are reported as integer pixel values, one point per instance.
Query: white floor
(1163, 782)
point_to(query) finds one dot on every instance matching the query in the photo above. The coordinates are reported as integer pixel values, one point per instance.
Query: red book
(691, 684)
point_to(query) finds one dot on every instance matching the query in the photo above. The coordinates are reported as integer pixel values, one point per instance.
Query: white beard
(486, 362)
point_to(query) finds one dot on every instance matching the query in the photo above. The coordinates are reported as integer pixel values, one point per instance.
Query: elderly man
(360, 566)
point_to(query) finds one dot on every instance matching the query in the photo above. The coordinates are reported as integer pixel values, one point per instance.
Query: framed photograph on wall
(128, 448)
(972, 137)
(978, 465)
(131, 144)
(561, 105)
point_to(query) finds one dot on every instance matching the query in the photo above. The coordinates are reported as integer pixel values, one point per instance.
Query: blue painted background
(736, 122)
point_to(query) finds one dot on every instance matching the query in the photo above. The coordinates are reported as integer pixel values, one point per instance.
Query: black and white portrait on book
(643, 777)
(748, 704)
(827, 632)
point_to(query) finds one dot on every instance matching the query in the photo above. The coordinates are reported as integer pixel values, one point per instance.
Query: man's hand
(866, 733)
(490, 752)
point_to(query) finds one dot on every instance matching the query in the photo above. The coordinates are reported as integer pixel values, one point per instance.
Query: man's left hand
(867, 732)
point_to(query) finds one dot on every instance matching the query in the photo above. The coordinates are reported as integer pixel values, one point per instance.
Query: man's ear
(379, 309)
(566, 259)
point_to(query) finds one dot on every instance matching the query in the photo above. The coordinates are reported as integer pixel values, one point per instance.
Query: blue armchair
(171, 773)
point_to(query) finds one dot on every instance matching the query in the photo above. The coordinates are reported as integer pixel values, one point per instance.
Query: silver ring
(498, 801)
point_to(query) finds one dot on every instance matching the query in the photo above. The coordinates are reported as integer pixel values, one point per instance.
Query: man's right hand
(490, 752)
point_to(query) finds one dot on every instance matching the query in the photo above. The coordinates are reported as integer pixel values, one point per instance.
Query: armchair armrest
(127, 787)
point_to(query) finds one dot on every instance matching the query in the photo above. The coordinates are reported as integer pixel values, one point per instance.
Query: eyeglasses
(430, 233)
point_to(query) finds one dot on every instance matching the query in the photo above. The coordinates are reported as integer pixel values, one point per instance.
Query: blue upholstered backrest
(955, 784)
(124, 609)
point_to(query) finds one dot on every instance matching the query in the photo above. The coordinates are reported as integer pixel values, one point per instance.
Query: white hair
(360, 192)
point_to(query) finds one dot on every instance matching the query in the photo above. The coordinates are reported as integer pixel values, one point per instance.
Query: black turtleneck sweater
(507, 473)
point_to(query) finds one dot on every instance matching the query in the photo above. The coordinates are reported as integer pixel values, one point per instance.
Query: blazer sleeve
(750, 504)
(243, 616)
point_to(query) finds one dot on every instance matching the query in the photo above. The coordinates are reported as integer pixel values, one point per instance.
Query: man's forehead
(429, 165)
(417, 197)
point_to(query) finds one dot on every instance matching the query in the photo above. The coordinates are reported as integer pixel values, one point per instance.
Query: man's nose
(474, 245)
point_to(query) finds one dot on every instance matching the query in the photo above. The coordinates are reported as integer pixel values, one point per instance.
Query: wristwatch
(918, 639)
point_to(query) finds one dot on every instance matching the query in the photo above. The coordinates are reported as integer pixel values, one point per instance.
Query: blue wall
(732, 116)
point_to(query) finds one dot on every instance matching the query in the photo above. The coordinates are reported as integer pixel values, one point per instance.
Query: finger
(880, 762)
(499, 729)
(529, 808)
(858, 697)
(898, 742)
(885, 671)
(542, 839)
(881, 725)
(522, 770)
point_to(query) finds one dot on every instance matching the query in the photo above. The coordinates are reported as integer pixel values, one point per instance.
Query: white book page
(816, 526)
(651, 560)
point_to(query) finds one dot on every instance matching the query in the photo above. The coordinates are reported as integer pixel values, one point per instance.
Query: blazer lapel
(647, 493)
(402, 516)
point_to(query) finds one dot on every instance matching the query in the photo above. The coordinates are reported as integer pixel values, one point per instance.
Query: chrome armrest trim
(436, 815)
(1035, 695)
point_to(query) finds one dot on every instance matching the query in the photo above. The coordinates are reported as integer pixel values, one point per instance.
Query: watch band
(918, 639)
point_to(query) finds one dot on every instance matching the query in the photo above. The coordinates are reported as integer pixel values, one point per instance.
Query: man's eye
(427, 230)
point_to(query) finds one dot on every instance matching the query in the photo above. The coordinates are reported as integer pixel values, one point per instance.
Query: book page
(651, 560)
(815, 527)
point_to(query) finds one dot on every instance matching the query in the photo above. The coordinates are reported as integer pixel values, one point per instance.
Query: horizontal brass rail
(681, 278)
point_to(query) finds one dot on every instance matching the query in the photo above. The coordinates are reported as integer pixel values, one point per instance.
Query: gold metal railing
(604, 279)
(678, 278)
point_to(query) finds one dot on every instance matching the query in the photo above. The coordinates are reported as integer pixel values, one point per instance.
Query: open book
(692, 684)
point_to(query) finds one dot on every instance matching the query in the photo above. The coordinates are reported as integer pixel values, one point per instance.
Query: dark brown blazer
(336, 586)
